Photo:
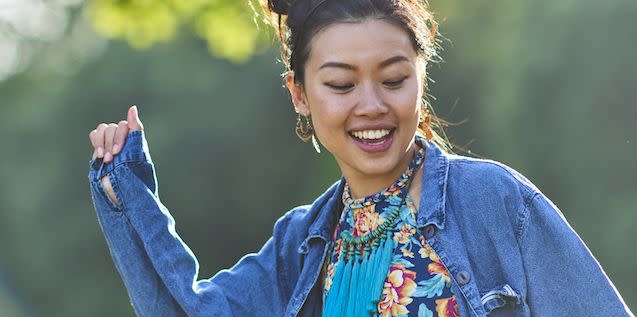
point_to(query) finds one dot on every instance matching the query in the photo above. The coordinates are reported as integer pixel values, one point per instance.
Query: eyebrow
(383, 64)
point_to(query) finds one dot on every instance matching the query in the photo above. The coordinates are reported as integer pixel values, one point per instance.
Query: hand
(108, 140)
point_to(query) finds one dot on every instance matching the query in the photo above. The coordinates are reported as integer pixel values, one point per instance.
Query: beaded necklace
(359, 276)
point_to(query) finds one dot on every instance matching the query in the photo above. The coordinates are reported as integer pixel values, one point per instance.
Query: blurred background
(546, 87)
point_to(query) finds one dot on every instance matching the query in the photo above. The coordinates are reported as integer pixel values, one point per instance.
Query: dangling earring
(305, 131)
(425, 123)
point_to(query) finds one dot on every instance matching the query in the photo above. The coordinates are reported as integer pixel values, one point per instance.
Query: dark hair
(297, 21)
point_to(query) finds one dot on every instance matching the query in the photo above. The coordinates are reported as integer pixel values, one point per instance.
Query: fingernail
(108, 157)
(100, 152)
(115, 148)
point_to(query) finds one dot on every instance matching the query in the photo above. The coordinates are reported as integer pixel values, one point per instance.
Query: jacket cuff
(135, 150)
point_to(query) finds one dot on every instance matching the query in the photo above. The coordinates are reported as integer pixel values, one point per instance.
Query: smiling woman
(409, 230)
(363, 86)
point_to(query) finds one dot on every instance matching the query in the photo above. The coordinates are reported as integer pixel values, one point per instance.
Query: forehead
(361, 44)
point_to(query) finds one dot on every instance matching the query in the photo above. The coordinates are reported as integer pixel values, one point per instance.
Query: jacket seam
(105, 169)
(523, 218)
(528, 193)
(507, 169)
(445, 168)
(128, 162)
(159, 277)
(125, 213)
(284, 223)
(443, 259)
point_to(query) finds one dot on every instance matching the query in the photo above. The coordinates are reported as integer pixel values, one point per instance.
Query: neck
(362, 185)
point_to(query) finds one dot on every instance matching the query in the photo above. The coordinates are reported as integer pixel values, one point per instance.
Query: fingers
(120, 136)
(133, 119)
(108, 139)
(109, 134)
(91, 136)
(97, 140)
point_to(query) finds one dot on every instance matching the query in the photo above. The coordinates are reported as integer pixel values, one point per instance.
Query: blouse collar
(400, 185)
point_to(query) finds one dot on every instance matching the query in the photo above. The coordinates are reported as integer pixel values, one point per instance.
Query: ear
(297, 94)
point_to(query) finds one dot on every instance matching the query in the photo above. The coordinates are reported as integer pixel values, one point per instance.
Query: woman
(408, 230)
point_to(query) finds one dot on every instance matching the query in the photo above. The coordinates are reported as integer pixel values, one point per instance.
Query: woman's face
(363, 88)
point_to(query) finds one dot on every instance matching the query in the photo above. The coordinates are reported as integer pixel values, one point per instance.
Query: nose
(370, 103)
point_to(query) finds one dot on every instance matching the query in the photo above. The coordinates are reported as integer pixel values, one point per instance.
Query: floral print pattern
(447, 307)
(365, 221)
(418, 283)
(397, 291)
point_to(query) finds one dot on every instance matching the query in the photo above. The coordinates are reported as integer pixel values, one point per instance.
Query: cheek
(329, 113)
(329, 124)
(406, 102)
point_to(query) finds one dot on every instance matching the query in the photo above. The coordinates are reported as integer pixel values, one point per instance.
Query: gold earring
(305, 131)
(304, 128)
(425, 123)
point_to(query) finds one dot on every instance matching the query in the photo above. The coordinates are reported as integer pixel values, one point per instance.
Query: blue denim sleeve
(158, 269)
(563, 276)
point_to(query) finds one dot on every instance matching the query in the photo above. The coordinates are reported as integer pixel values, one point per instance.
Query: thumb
(133, 119)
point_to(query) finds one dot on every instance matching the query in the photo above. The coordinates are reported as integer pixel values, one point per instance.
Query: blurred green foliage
(228, 26)
(547, 88)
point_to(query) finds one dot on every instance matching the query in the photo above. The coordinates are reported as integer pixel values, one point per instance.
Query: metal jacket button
(97, 163)
(429, 231)
(463, 277)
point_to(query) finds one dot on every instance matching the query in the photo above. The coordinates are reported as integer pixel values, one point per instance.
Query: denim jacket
(508, 249)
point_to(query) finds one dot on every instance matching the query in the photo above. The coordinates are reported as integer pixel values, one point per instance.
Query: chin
(376, 169)
(377, 164)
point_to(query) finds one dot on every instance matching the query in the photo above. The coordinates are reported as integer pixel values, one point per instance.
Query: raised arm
(159, 271)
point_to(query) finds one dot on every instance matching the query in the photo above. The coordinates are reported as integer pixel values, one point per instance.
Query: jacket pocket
(500, 300)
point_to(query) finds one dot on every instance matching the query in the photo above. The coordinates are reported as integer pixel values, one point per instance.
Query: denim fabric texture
(508, 249)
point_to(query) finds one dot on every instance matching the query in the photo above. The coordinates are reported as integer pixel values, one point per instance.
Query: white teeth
(371, 134)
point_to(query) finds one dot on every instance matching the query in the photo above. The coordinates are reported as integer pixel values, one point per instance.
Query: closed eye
(395, 83)
(339, 87)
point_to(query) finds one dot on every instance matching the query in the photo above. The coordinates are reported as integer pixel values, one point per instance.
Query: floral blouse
(417, 283)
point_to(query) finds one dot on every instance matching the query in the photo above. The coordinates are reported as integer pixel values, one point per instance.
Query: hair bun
(280, 6)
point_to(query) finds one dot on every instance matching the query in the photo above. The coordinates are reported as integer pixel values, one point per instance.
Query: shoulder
(295, 217)
(293, 223)
(489, 175)
(306, 215)
(306, 221)
(489, 191)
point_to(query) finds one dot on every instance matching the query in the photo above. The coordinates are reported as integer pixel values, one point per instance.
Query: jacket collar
(432, 199)
(325, 207)
(434, 187)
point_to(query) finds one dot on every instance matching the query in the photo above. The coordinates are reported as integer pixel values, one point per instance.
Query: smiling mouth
(372, 137)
